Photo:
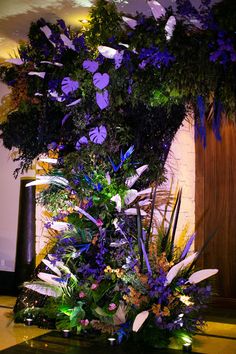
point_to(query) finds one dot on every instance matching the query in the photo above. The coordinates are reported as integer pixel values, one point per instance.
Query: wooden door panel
(216, 195)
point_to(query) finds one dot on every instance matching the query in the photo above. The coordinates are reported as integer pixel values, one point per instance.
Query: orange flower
(156, 309)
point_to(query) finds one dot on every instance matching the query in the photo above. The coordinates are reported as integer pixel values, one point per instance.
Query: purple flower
(52, 146)
(155, 57)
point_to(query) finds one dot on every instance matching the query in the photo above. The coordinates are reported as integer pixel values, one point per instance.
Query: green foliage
(104, 23)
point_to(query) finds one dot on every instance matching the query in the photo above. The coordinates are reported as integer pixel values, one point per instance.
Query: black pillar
(25, 250)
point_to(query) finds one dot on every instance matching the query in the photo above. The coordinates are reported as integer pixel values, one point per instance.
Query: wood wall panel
(216, 196)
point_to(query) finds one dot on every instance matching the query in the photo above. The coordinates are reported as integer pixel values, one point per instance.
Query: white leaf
(139, 320)
(108, 178)
(145, 191)
(55, 95)
(48, 160)
(100, 311)
(107, 52)
(60, 225)
(144, 202)
(130, 22)
(169, 27)
(87, 215)
(119, 243)
(178, 267)
(51, 63)
(120, 315)
(74, 103)
(44, 289)
(37, 183)
(49, 180)
(67, 42)
(157, 9)
(37, 73)
(202, 275)
(133, 211)
(16, 61)
(130, 196)
(124, 44)
(47, 31)
(131, 180)
(51, 279)
(52, 267)
(117, 199)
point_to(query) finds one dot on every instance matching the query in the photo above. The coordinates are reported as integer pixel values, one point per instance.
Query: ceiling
(16, 16)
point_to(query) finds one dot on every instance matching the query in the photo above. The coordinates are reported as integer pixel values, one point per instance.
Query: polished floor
(219, 337)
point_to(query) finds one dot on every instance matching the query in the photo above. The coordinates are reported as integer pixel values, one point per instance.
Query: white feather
(16, 61)
(178, 267)
(169, 27)
(157, 9)
(107, 52)
(139, 320)
(130, 22)
(131, 180)
(44, 289)
(201, 275)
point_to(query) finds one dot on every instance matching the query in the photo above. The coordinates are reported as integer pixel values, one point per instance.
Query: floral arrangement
(116, 268)
(85, 98)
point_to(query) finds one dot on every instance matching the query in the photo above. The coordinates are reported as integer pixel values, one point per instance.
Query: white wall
(9, 203)
(9, 199)
(180, 167)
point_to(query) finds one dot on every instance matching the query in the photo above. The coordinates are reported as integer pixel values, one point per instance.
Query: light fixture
(66, 333)
(111, 340)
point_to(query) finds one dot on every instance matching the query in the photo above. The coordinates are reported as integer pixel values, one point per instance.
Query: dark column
(25, 250)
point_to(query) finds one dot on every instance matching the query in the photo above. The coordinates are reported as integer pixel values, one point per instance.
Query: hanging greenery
(127, 75)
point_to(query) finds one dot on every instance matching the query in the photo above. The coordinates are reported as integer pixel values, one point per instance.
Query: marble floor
(219, 336)
(10, 332)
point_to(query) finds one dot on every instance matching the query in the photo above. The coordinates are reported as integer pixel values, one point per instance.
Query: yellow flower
(166, 311)
(119, 272)
(186, 300)
(108, 269)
